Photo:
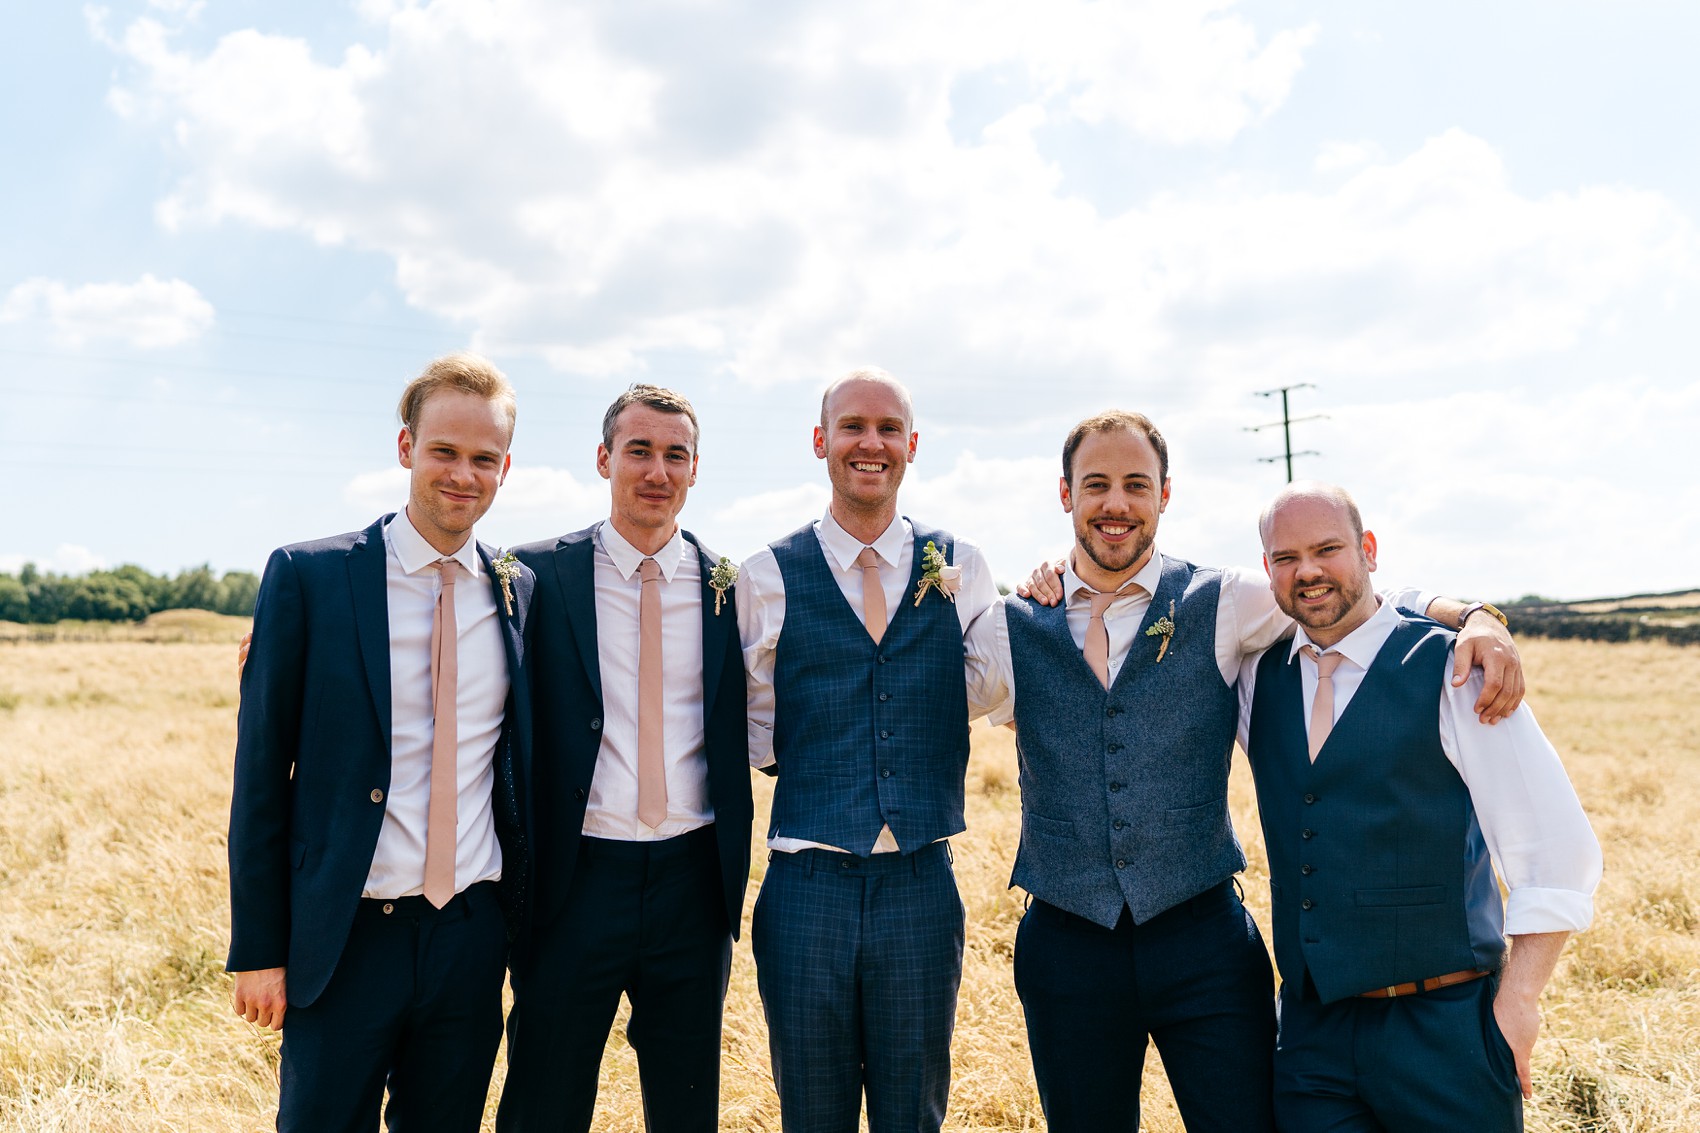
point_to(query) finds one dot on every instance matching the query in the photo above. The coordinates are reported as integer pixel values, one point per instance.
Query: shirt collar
(843, 547)
(1362, 644)
(627, 558)
(415, 554)
(1147, 579)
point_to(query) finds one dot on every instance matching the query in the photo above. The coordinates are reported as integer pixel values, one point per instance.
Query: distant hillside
(1673, 617)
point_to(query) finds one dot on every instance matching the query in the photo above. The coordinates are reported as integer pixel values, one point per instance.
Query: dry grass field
(114, 778)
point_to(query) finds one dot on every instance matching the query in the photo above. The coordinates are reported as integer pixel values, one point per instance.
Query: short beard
(1139, 546)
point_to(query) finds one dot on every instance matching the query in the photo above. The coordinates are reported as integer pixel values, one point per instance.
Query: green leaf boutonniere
(721, 579)
(936, 574)
(507, 569)
(1163, 628)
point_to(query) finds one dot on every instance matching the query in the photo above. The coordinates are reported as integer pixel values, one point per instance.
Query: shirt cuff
(1547, 910)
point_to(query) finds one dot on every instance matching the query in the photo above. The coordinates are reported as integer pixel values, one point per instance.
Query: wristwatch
(1487, 607)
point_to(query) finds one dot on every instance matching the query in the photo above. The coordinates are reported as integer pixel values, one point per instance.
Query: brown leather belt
(1433, 983)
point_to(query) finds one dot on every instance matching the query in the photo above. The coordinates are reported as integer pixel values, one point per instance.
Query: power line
(1286, 422)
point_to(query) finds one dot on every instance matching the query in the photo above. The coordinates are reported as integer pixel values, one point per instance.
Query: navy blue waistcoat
(1124, 792)
(866, 735)
(1377, 867)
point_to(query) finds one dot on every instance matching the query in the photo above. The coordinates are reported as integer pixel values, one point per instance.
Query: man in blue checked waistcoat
(1123, 699)
(853, 630)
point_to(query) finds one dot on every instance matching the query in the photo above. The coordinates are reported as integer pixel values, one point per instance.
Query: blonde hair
(464, 371)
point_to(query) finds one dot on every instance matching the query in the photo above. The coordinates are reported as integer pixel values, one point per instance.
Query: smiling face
(1116, 496)
(458, 458)
(649, 469)
(866, 441)
(1319, 565)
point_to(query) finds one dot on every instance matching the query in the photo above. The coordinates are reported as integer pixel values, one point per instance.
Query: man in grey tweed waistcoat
(853, 631)
(1124, 703)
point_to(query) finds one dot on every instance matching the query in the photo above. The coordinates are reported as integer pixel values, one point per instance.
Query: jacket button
(596, 724)
(885, 773)
(884, 696)
(1121, 863)
(1307, 903)
(1307, 834)
(1309, 799)
(1118, 824)
(1115, 786)
(578, 793)
(377, 795)
(1307, 870)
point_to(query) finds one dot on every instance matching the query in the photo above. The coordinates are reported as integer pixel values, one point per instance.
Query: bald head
(1310, 492)
(867, 375)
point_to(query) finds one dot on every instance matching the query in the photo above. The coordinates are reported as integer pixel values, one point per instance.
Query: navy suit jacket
(567, 691)
(313, 756)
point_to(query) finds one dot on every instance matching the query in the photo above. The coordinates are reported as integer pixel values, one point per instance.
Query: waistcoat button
(377, 795)
(1307, 903)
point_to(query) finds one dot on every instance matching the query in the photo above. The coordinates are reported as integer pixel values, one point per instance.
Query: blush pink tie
(652, 770)
(1098, 635)
(442, 813)
(873, 593)
(1322, 709)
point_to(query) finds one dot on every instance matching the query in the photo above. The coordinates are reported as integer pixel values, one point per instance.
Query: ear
(820, 442)
(507, 465)
(1267, 572)
(404, 447)
(1369, 548)
(1062, 490)
(1163, 500)
(604, 467)
(914, 439)
(693, 480)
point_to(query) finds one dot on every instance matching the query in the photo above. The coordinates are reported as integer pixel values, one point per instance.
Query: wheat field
(114, 1011)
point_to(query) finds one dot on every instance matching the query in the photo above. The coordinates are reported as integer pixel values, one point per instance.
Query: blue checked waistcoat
(1124, 792)
(866, 735)
(1377, 866)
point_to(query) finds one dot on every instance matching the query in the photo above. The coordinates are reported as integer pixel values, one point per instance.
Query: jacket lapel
(513, 625)
(715, 627)
(575, 575)
(366, 581)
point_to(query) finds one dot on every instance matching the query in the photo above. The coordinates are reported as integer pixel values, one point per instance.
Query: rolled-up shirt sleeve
(1533, 824)
(761, 613)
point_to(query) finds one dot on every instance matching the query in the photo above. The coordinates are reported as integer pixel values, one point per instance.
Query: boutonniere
(720, 580)
(1163, 628)
(507, 569)
(937, 574)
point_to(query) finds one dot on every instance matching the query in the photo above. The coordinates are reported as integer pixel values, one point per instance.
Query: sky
(232, 231)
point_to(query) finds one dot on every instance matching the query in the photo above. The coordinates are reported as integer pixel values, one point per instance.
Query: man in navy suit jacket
(389, 974)
(637, 892)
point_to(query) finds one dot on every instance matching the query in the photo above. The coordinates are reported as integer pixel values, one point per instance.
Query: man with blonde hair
(380, 786)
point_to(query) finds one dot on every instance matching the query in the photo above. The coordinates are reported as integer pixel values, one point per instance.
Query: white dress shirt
(611, 809)
(1247, 622)
(411, 584)
(1539, 839)
(761, 616)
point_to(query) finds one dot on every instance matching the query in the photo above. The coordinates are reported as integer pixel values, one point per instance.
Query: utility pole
(1286, 422)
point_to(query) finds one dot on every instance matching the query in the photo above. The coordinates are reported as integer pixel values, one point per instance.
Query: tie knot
(649, 570)
(868, 557)
(1326, 663)
(446, 568)
(1101, 600)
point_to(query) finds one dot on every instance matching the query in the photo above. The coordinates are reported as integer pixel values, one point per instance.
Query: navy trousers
(1195, 979)
(415, 1004)
(858, 961)
(645, 919)
(1408, 1065)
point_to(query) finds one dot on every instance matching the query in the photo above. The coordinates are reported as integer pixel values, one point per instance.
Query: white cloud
(67, 558)
(149, 313)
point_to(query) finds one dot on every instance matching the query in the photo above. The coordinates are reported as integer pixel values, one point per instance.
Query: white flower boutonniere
(721, 579)
(1163, 628)
(936, 574)
(507, 569)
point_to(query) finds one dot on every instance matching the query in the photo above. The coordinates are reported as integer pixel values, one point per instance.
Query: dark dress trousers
(380, 993)
(652, 920)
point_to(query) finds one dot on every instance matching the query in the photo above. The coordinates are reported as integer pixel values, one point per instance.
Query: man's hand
(242, 652)
(1043, 586)
(1485, 644)
(1519, 1019)
(259, 997)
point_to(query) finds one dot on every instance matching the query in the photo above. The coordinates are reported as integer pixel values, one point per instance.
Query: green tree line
(124, 594)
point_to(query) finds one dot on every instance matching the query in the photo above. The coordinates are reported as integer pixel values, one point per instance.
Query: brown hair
(656, 397)
(469, 373)
(1109, 421)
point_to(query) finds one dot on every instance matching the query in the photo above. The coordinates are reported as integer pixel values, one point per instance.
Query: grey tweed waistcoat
(1124, 792)
(866, 735)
